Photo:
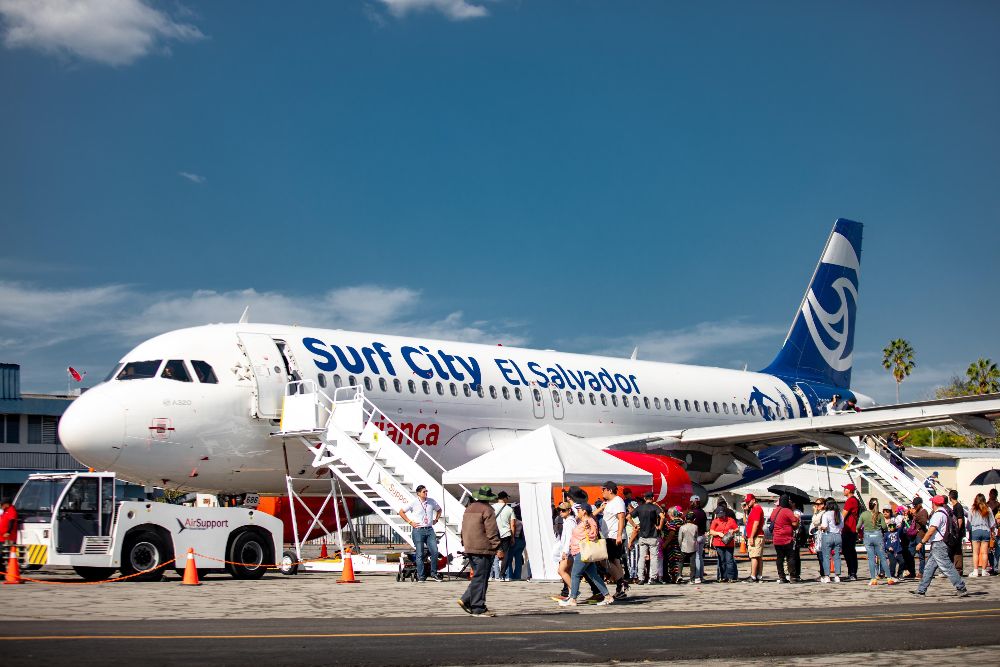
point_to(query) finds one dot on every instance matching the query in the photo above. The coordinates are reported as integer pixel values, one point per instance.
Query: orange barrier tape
(93, 583)
(267, 565)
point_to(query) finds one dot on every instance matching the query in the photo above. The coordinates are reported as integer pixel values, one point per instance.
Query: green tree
(984, 376)
(897, 358)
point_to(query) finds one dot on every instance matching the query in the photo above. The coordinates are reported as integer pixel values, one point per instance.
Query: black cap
(649, 495)
(917, 500)
(502, 495)
(578, 495)
(610, 486)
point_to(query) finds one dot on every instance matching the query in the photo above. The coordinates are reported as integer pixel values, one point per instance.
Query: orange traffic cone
(743, 547)
(190, 571)
(347, 576)
(13, 575)
(322, 550)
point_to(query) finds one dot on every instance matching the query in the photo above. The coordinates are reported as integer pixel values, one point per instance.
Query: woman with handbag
(723, 533)
(873, 526)
(586, 549)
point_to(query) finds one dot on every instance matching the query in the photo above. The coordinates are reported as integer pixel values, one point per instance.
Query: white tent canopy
(535, 462)
(547, 455)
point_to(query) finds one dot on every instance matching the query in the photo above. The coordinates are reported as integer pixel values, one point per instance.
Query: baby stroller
(408, 565)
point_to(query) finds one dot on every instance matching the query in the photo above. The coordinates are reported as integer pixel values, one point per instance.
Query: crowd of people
(620, 541)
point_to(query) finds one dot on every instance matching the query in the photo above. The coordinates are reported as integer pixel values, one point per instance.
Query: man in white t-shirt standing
(937, 529)
(422, 514)
(505, 524)
(613, 531)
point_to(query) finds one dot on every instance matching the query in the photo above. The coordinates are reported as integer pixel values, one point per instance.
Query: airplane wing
(832, 431)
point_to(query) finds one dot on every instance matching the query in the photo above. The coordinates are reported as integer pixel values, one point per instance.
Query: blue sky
(583, 175)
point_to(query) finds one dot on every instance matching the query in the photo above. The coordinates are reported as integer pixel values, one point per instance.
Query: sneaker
(974, 573)
(697, 581)
(850, 577)
(655, 582)
(641, 583)
(436, 577)
(606, 601)
(559, 598)
(781, 581)
(461, 603)
(596, 597)
(621, 595)
(873, 582)
(920, 593)
(824, 580)
(891, 582)
(571, 602)
(964, 593)
(483, 614)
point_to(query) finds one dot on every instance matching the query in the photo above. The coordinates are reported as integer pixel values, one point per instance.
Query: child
(893, 544)
(688, 538)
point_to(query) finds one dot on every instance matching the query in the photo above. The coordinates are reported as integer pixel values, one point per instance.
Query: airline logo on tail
(838, 354)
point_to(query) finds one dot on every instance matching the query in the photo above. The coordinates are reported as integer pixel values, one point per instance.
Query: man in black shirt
(648, 514)
(701, 522)
(959, 512)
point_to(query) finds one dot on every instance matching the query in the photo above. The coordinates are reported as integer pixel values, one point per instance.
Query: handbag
(592, 551)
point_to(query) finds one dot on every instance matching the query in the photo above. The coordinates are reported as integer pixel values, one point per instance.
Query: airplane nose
(93, 429)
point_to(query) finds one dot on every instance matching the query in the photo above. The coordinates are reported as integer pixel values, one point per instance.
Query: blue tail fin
(820, 344)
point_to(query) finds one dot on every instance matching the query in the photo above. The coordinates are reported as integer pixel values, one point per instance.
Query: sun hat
(485, 494)
(565, 505)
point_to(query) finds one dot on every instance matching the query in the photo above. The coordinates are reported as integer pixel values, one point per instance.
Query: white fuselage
(216, 436)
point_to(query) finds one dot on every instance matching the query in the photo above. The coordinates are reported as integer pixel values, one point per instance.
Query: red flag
(73, 374)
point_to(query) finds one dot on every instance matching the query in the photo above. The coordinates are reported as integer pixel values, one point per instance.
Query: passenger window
(352, 381)
(493, 391)
(467, 390)
(677, 404)
(580, 397)
(412, 386)
(614, 400)
(480, 391)
(734, 409)
(556, 398)
(454, 389)
(321, 378)
(383, 385)
(440, 388)
(635, 402)
(656, 403)
(716, 406)
(368, 384)
(506, 393)
(569, 397)
(707, 410)
(139, 370)
(537, 395)
(175, 370)
(397, 385)
(687, 405)
(337, 382)
(204, 372)
(426, 386)
(604, 400)
(725, 408)
(517, 393)
(697, 406)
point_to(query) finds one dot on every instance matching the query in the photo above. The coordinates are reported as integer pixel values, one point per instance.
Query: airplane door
(268, 371)
(537, 403)
(78, 515)
(807, 396)
(558, 410)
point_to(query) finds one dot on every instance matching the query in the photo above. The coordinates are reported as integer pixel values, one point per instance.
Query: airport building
(29, 432)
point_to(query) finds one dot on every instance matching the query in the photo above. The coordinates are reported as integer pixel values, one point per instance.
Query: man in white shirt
(613, 530)
(505, 524)
(937, 529)
(422, 514)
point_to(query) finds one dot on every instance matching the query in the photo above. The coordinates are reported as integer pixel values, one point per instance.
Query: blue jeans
(939, 559)
(727, 564)
(516, 559)
(918, 553)
(836, 544)
(875, 547)
(699, 557)
(589, 570)
(424, 537)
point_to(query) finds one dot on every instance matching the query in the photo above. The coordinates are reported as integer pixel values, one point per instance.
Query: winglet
(635, 353)
(244, 318)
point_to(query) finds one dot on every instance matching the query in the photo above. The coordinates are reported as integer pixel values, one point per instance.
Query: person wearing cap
(723, 533)
(506, 525)
(816, 531)
(422, 514)
(648, 514)
(612, 515)
(918, 520)
(933, 540)
(932, 483)
(585, 529)
(701, 523)
(480, 541)
(849, 531)
(754, 535)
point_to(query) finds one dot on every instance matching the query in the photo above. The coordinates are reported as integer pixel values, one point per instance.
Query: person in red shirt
(785, 522)
(8, 526)
(849, 533)
(755, 537)
(723, 531)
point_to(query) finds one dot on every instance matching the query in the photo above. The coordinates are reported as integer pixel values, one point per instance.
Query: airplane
(194, 409)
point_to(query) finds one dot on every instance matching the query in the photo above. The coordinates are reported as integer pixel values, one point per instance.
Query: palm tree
(984, 376)
(897, 358)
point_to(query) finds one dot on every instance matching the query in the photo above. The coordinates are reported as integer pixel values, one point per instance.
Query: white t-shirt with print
(830, 523)
(609, 517)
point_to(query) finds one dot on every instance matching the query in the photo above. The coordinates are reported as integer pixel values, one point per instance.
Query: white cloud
(25, 307)
(194, 178)
(456, 10)
(112, 32)
(696, 343)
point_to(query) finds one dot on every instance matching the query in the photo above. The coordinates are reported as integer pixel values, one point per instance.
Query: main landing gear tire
(249, 556)
(94, 573)
(289, 563)
(143, 552)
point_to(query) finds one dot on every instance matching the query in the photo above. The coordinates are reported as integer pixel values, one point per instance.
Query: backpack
(952, 535)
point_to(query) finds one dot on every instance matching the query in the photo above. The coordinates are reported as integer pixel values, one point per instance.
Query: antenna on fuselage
(635, 353)
(244, 318)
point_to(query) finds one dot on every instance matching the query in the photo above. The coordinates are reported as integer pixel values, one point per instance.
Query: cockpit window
(175, 370)
(139, 370)
(114, 372)
(207, 375)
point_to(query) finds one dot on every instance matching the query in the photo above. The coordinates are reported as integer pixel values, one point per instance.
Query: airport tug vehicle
(77, 520)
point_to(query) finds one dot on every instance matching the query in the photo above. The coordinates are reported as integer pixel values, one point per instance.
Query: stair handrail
(907, 462)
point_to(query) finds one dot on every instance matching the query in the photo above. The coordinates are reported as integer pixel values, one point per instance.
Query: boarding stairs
(342, 433)
(896, 475)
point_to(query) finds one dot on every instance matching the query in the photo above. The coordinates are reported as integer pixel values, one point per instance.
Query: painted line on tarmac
(877, 618)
